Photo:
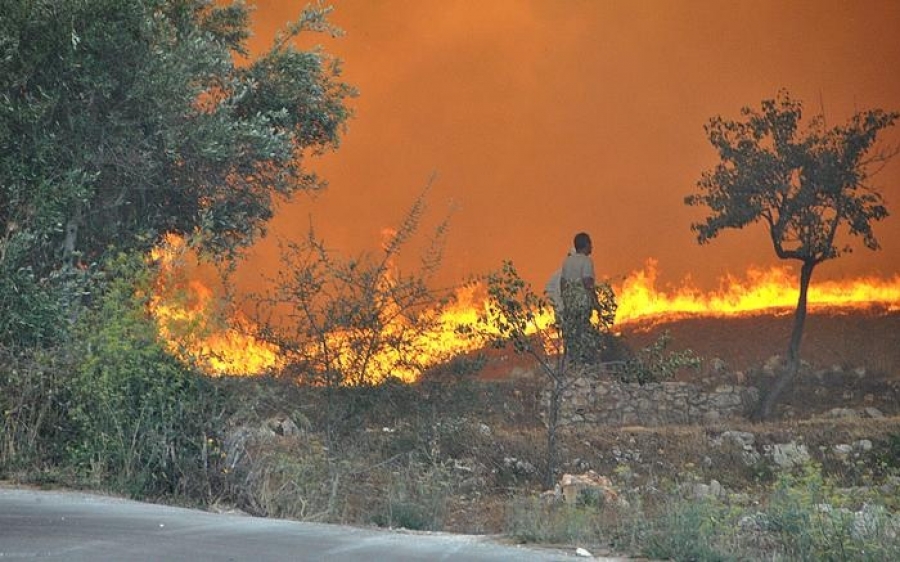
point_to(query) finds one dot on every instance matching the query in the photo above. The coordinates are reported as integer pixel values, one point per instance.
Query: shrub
(655, 364)
(417, 496)
(142, 420)
(691, 530)
(286, 480)
(32, 309)
(813, 521)
(530, 520)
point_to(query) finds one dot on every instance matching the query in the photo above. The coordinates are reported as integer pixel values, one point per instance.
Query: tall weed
(33, 420)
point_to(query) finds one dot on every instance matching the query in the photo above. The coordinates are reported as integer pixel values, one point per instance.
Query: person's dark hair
(582, 241)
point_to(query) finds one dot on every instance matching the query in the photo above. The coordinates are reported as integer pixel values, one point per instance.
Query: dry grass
(465, 454)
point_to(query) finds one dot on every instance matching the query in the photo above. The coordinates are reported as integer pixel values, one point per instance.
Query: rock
(712, 417)
(718, 365)
(873, 412)
(573, 485)
(751, 457)
(743, 438)
(519, 466)
(755, 523)
(583, 553)
(788, 455)
(550, 496)
(700, 490)
(863, 445)
(843, 449)
(282, 425)
(772, 364)
(484, 429)
(859, 372)
(842, 413)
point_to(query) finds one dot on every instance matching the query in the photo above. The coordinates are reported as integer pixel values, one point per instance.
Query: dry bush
(286, 477)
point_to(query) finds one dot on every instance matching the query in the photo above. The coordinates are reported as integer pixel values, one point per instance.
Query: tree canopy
(803, 185)
(123, 121)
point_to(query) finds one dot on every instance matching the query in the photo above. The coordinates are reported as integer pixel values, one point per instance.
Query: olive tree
(123, 121)
(810, 187)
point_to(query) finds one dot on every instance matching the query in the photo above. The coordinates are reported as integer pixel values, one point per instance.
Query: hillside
(851, 358)
(469, 453)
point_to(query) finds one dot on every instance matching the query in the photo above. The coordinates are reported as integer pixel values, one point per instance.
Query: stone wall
(596, 399)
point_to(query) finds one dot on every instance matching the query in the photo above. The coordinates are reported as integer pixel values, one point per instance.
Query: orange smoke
(199, 330)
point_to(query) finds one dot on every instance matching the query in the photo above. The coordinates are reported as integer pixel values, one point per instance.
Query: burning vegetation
(194, 324)
(199, 328)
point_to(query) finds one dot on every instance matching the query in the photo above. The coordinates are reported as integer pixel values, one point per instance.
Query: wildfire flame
(194, 326)
(422, 348)
(198, 330)
(769, 290)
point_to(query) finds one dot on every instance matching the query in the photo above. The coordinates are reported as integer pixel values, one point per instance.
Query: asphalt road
(74, 526)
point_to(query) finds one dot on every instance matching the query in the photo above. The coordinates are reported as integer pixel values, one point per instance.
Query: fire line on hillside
(192, 321)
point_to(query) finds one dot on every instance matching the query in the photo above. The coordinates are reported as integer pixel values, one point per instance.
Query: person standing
(577, 283)
(553, 290)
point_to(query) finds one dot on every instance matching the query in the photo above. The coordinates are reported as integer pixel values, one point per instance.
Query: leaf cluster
(140, 419)
(807, 185)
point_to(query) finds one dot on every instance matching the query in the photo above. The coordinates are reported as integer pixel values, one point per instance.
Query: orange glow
(768, 290)
(197, 329)
(543, 118)
(439, 343)
(190, 319)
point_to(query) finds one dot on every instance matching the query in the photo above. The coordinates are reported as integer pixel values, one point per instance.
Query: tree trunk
(70, 242)
(552, 420)
(793, 355)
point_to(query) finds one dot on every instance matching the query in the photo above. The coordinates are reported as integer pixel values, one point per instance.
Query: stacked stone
(591, 399)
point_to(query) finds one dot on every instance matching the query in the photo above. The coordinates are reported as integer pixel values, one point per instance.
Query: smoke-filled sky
(544, 118)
